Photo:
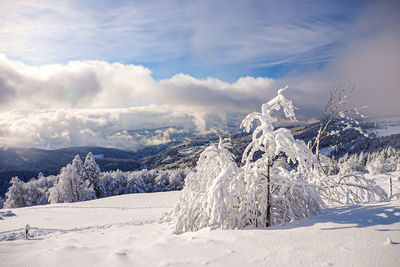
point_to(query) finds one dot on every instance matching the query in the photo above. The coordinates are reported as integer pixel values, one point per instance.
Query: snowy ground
(124, 231)
(387, 126)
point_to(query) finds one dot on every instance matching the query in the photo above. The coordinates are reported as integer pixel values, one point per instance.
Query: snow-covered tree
(336, 118)
(208, 197)
(274, 194)
(78, 164)
(71, 187)
(33, 192)
(91, 173)
(15, 194)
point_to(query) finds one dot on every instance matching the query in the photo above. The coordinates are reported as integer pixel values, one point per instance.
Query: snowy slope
(123, 231)
(387, 126)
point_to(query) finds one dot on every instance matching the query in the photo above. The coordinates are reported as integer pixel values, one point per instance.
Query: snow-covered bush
(348, 165)
(349, 186)
(350, 189)
(208, 197)
(15, 194)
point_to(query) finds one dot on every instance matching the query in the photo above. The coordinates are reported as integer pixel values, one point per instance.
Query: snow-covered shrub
(331, 167)
(348, 165)
(350, 186)
(377, 165)
(208, 198)
(136, 183)
(350, 189)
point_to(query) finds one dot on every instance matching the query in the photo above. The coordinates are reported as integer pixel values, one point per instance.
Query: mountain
(183, 151)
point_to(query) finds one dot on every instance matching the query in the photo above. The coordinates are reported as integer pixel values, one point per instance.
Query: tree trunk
(317, 150)
(268, 195)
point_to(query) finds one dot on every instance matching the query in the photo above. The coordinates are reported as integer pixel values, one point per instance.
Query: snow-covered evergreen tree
(78, 164)
(15, 194)
(92, 174)
(34, 192)
(71, 187)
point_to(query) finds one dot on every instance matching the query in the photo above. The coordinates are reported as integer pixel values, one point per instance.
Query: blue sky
(78, 73)
(222, 39)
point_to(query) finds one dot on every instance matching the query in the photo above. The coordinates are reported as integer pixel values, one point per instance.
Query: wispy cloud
(205, 33)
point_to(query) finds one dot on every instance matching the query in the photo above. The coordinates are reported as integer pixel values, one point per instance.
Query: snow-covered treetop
(90, 164)
(273, 142)
(265, 117)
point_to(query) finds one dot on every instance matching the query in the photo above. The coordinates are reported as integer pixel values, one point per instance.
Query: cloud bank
(94, 102)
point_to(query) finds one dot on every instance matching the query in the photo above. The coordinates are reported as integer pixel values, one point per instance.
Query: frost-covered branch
(334, 111)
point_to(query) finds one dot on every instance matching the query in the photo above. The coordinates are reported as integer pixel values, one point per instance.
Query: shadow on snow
(8, 213)
(354, 216)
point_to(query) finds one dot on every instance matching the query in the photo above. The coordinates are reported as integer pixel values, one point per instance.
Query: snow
(387, 126)
(124, 231)
(98, 156)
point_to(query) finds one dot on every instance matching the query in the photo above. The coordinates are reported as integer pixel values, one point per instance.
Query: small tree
(91, 173)
(274, 195)
(335, 110)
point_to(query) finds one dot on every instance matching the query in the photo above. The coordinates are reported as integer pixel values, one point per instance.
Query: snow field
(124, 231)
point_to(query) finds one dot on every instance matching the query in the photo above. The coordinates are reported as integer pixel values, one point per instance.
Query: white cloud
(95, 103)
(96, 127)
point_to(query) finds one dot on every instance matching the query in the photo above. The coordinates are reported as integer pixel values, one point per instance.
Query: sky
(76, 73)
